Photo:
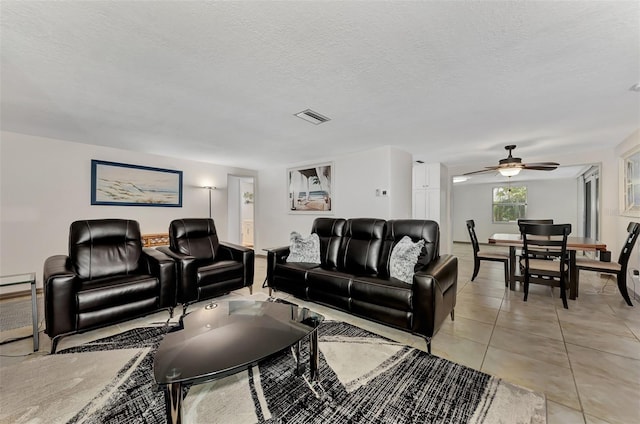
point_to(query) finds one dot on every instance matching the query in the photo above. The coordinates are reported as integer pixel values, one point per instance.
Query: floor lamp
(210, 188)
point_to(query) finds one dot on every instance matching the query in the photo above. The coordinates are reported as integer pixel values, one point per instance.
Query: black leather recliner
(107, 277)
(206, 267)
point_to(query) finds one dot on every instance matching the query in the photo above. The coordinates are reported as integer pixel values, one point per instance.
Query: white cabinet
(428, 193)
(426, 204)
(426, 176)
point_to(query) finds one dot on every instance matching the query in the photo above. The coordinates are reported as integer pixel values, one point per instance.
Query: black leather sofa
(107, 277)
(354, 273)
(206, 267)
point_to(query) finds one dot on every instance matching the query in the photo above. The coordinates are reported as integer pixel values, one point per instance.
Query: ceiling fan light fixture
(509, 172)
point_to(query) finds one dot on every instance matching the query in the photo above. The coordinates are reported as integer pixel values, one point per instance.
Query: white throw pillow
(404, 257)
(304, 249)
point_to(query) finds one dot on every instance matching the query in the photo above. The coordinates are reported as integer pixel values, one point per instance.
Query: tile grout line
(573, 375)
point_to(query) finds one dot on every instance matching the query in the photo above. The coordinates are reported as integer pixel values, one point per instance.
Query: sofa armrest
(163, 267)
(429, 287)
(60, 286)
(242, 254)
(186, 270)
(276, 255)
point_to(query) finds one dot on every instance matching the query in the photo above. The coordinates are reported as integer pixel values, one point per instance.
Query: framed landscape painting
(121, 184)
(310, 189)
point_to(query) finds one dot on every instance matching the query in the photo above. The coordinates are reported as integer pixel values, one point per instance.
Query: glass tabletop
(225, 337)
(10, 280)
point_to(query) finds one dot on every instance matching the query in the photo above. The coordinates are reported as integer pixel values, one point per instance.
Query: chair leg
(506, 274)
(54, 344)
(563, 293)
(476, 268)
(452, 315)
(526, 287)
(622, 287)
(250, 290)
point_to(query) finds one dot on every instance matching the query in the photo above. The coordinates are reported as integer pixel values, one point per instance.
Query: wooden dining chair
(535, 221)
(618, 269)
(485, 256)
(550, 240)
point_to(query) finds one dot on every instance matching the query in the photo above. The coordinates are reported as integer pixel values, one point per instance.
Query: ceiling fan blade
(540, 168)
(488, 169)
(541, 164)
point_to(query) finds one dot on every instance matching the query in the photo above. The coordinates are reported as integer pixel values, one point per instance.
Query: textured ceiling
(220, 81)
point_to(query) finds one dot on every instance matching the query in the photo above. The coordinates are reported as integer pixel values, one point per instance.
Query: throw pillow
(304, 249)
(404, 257)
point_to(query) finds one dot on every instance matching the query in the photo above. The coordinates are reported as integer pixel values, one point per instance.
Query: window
(509, 203)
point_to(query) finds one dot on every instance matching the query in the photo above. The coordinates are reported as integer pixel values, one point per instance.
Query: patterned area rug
(17, 314)
(366, 378)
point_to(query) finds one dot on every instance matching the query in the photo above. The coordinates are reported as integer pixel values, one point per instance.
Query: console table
(28, 278)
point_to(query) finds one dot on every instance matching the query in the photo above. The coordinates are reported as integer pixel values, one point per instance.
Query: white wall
(45, 185)
(557, 199)
(622, 221)
(355, 180)
(233, 208)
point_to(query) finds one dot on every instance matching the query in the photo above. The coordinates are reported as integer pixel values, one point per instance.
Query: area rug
(366, 378)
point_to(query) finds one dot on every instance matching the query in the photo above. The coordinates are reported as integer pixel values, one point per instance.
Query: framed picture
(630, 183)
(310, 189)
(121, 184)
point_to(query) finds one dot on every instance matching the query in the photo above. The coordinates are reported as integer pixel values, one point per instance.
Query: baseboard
(18, 293)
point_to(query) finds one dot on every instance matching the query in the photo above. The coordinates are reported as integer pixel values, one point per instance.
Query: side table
(28, 278)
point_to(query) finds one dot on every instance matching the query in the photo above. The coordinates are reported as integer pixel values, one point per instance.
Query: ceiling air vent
(311, 116)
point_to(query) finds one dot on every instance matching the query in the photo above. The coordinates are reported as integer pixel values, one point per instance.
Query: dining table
(574, 244)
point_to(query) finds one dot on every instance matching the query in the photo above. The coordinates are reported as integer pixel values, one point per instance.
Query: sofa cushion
(390, 293)
(329, 287)
(220, 271)
(416, 229)
(113, 291)
(195, 237)
(330, 232)
(404, 257)
(360, 248)
(103, 247)
(304, 249)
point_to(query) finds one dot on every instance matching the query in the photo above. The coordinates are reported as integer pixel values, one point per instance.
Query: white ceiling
(449, 82)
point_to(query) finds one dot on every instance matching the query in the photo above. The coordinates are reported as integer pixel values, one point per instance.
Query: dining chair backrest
(547, 239)
(471, 227)
(633, 229)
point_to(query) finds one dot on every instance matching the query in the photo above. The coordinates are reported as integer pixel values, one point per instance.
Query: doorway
(240, 203)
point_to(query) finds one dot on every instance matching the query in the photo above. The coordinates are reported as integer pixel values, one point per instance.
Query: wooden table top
(573, 243)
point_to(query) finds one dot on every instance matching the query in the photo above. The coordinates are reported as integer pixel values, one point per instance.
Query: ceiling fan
(510, 166)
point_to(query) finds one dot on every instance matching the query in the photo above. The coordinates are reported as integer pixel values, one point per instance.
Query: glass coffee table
(226, 337)
(27, 278)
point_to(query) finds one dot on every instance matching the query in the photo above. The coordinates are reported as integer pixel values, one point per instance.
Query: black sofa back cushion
(196, 237)
(330, 232)
(396, 229)
(361, 246)
(104, 247)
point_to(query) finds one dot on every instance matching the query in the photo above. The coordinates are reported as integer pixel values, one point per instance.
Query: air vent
(313, 117)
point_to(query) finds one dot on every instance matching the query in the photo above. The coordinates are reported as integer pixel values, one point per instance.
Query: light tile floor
(585, 359)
